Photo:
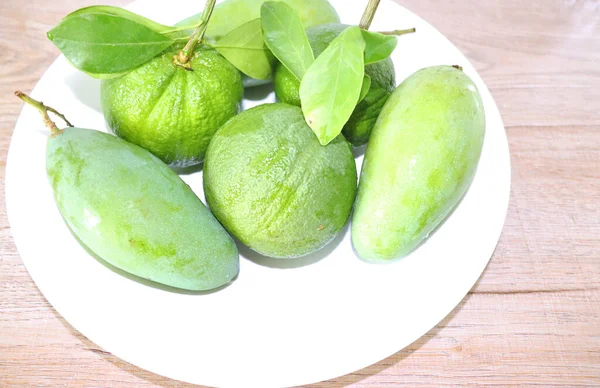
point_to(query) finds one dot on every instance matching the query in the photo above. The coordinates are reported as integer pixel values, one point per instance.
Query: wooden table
(534, 316)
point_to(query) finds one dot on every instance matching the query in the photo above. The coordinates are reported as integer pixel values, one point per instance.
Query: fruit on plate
(420, 160)
(273, 186)
(230, 14)
(134, 212)
(170, 110)
(358, 129)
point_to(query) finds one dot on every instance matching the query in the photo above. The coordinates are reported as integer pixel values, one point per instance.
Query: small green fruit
(134, 212)
(358, 129)
(272, 185)
(420, 160)
(230, 14)
(171, 111)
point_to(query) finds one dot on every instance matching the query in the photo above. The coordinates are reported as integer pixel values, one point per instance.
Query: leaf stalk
(399, 32)
(369, 14)
(183, 57)
(44, 109)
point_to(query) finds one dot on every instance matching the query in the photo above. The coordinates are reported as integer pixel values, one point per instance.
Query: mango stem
(369, 14)
(399, 32)
(183, 57)
(44, 109)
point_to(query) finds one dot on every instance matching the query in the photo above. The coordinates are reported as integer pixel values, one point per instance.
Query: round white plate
(281, 323)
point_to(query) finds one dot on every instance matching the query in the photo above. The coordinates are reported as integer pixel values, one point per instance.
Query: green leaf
(332, 86)
(378, 46)
(285, 36)
(104, 43)
(192, 20)
(366, 86)
(116, 11)
(245, 48)
(99, 75)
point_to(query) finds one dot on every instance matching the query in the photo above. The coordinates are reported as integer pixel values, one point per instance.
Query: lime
(172, 111)
(272, 185)
(383, 82)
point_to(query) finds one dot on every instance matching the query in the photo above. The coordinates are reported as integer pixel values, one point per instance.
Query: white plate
(280, 323)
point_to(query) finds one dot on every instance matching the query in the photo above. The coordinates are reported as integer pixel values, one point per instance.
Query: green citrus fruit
(230, 14)
(272, 185)
(171, 111)
(383, 82)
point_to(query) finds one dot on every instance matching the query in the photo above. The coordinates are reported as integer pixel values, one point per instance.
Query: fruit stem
(44, 109)
(369, 14)
(184, 55)
(399, 32)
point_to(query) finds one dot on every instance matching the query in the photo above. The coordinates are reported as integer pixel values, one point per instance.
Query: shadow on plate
(86, 89)
(359, 151)
(258, 93)
(188, 170)
(292, 263)
(147, 282)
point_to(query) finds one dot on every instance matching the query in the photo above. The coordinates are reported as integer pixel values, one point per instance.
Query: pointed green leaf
(366, 86)
(378, 46)
(116, 11)
(332, 86)
(190, 21)
(104, 43)
(245, 48)
(285, 36)
(99, 75)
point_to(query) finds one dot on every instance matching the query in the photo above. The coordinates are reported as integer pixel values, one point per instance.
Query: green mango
(133, 211)
(420, 160)
(383, 82)
(272, 185)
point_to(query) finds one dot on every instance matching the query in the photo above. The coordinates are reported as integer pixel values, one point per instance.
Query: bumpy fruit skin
(420, 160)
(171, 111)
(134, 212)
(230, 14)
(383, 82)
(272, 185)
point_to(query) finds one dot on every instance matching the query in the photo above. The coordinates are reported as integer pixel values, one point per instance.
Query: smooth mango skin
(230, 14)
(420, 160)
(272, 185)
(134, 212)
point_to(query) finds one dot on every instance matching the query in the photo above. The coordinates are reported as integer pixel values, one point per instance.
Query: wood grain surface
(533, 319)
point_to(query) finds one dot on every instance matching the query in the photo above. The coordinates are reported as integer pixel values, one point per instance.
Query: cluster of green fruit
(280, 177)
